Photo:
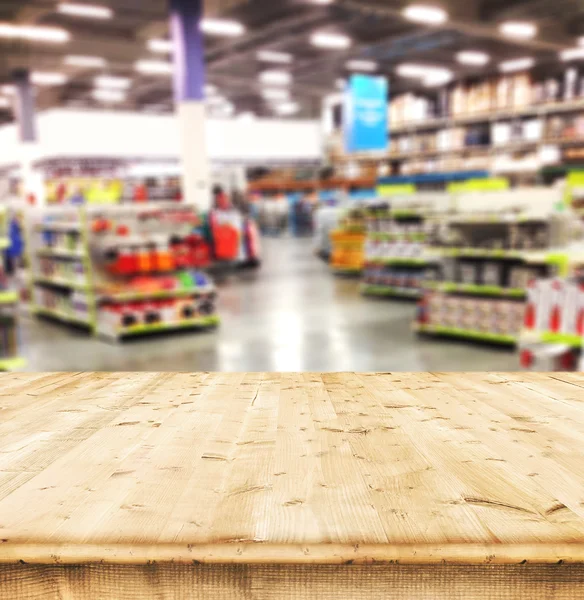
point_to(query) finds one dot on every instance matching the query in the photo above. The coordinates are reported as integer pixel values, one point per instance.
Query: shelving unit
(395, 257)
(119, 270)
(480, 291)
(9, 302)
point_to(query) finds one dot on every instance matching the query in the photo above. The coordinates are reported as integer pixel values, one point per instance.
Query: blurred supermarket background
(297, 185)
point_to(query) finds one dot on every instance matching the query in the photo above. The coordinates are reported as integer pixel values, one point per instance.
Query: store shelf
(158, 327)
(479, 290)
(55, 314)
(73, 227)
(391, 237)
(400, 262)
(60, 253)
(61, 283)
(543, 109)
(547, 337)
(466, 334)
(476, 253)
(384, 290)
(156, 294)
(9, 297)
(12, 364)
(347, 270)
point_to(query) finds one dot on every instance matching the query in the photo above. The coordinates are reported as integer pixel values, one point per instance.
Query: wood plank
(292, 468)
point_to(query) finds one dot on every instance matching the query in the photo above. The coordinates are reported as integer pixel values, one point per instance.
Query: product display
(395, 262)
(121, 270)
(347, 256)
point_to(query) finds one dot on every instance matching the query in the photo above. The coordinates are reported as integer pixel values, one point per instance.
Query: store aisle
(290, 315)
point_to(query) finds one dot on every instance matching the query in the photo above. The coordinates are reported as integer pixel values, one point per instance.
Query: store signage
(365, 113)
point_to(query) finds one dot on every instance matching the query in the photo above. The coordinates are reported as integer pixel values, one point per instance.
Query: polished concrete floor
(290, 315)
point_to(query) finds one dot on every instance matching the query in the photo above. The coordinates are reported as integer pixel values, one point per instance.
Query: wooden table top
(256, 467)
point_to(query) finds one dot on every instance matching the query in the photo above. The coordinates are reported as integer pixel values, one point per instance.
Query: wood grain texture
(291, 468)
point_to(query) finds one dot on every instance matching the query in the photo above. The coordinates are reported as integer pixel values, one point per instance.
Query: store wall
(72, 133)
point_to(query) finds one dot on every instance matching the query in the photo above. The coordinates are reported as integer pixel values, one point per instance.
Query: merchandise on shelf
(395, 261)
(91, 263)
(489, 319)
(347, 241)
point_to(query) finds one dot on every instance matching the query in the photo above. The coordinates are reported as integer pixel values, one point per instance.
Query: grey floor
(290, 315)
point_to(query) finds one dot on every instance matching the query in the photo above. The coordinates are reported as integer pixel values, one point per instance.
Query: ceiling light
(5, 103)
(286, 108)
(415, 70)
(90, 62)
(276, 77)
(335, 41)
(517, 64)
(276, 94)
(159, 45)
(34, 33)
(90, 11)
(103, 95)
(153, 67)
(246, 117)
(518, 29)
(222, 27)
(368, 66)
(210, 89)
(473, 58)
(429, 15)
(572, 54)
(112, 83)
(47, 78)
(274, 57)
(437, 79)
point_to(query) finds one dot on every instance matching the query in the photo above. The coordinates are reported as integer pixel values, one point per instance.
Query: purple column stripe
(189, 56)
(25, 110)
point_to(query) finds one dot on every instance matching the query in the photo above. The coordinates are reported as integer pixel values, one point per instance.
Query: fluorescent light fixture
(518, 29)
(428, 15)
(517, 64)
(335, 41)
(276, 78)
(112, 83)
(113, 96)
(47, 78)
(274, 57)
(34, 33)
(210, 90)
(367, 66)
(222, 27)
(153, 67)
(5, 102)
(159, 45)
(473, 58)
(89, 62)
(246, 117)
(437, 79)
(275, 94)
(286, 108)
(89, 11)
(572, 54)
(421, 71)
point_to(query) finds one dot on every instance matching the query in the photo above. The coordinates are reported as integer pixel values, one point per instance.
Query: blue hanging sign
(365, 113)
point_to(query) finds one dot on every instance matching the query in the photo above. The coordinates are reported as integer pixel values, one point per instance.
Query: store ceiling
(377, 29)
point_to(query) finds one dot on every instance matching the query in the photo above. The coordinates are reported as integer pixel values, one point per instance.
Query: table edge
(261, 553)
